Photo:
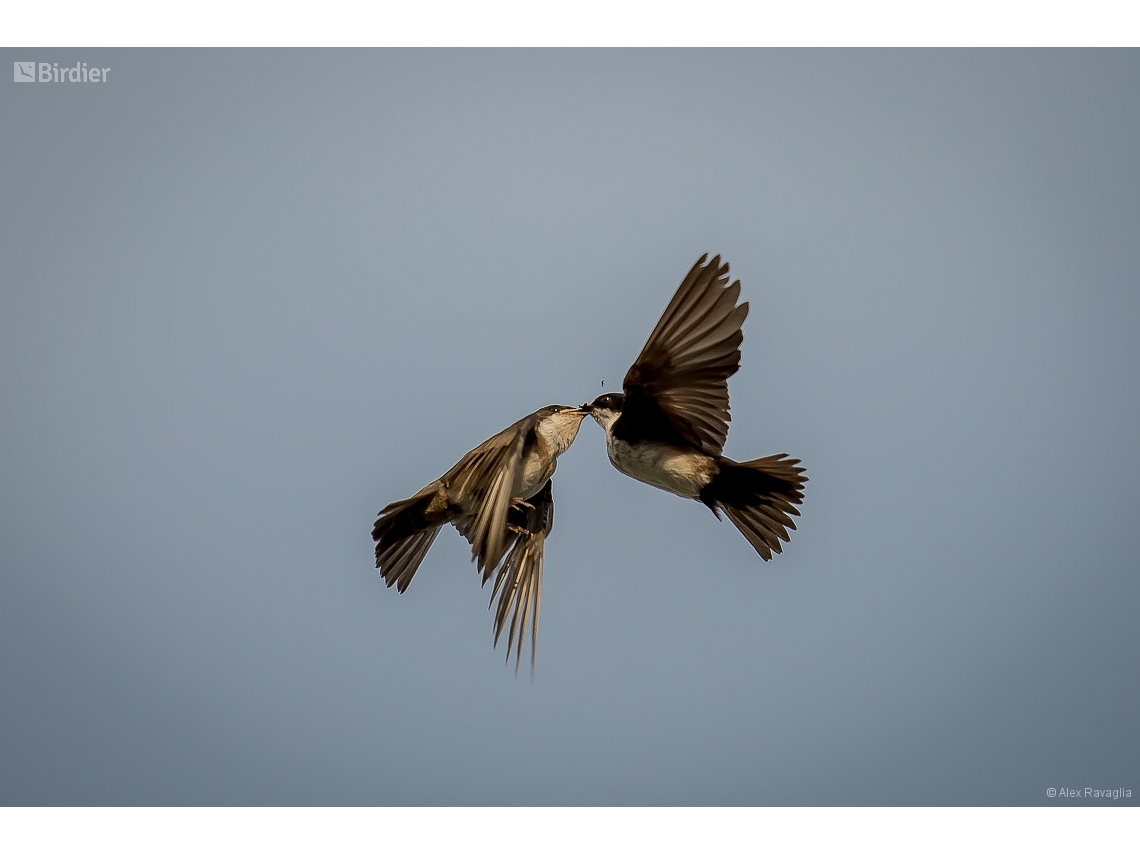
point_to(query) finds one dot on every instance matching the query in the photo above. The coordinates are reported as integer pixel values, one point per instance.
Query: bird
(668, 425)
(499, 496)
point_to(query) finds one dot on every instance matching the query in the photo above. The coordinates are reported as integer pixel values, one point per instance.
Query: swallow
(499, 497)
(668, 426)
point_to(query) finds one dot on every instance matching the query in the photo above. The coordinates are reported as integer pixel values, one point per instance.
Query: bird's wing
(518, 584)
(680, 379)
(483, 480)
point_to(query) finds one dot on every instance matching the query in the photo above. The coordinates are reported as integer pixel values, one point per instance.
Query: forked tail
(759, 496)
(405, 532)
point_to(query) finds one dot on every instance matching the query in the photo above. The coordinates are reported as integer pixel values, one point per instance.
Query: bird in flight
(500, 499)
(668, 425)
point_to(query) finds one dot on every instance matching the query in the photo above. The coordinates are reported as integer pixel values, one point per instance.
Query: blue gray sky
(247, 298)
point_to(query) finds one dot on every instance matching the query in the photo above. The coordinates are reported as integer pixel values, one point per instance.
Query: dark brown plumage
(669, 426)
(499, 497)
(518, 584)
(683, 370)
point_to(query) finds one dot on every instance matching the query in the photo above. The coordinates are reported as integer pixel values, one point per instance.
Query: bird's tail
(759, 497)
(405, 531)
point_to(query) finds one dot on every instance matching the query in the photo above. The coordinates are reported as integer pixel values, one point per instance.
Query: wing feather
(484, 480)
(683, 369)
(518, 584)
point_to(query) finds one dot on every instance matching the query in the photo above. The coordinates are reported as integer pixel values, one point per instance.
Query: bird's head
(559, 425)
(605, 408)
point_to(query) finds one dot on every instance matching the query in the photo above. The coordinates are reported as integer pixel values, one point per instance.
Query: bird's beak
(584, 409)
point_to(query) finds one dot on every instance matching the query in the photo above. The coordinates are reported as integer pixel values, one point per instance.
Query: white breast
(533, 472)
(682, 471)
(556, 433)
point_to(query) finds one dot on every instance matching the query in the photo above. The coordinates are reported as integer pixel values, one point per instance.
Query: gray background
(249, 297)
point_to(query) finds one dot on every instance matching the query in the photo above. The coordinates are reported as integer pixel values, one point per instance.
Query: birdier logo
(50, 72)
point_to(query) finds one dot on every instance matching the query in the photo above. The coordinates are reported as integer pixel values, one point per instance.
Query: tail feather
(759, 497)
(399, 563)
(405, 531)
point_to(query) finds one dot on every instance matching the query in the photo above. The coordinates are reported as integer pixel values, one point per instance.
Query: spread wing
(482, 481)
(679, 382)
(518, 584)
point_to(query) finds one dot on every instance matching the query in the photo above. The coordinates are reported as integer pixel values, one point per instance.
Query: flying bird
(499, 497)
(668, 425)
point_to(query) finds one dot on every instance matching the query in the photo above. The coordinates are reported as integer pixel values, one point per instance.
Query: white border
(571, 830)
(607, 23)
